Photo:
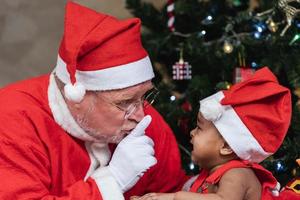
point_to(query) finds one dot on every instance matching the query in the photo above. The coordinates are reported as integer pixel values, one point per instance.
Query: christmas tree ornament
(289, 11)
(272, 26)
(242, 72)
(171, 16)
(227, 47)
(182, 70)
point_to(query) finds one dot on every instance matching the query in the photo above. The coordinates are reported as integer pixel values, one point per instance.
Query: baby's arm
(233, 185)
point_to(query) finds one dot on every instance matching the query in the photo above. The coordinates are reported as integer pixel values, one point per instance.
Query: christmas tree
(200, 46)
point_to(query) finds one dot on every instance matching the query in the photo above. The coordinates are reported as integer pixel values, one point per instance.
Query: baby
(236, 130)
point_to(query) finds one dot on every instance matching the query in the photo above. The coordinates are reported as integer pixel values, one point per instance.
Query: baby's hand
(134, 197)
(154, 196)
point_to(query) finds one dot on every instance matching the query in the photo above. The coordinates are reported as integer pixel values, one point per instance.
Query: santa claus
(87, 130)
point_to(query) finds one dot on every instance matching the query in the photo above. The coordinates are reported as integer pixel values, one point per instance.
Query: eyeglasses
(129, 108)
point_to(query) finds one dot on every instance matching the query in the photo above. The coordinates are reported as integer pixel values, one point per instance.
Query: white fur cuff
(109, 188)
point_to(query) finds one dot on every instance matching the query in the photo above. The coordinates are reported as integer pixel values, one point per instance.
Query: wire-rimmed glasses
(147, 99)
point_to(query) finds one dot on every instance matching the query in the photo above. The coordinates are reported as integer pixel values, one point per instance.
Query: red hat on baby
(252, 116)
(99, 52)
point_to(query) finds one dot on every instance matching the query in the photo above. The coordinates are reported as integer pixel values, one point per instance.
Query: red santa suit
(41, 156)
(44, 153)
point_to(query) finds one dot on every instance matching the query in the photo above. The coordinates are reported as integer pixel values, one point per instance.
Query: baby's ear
(226, 149)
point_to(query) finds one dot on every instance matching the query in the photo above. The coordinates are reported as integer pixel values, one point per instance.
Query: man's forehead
(132, 91)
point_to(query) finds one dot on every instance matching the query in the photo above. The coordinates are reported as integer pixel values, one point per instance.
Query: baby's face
(206, 141)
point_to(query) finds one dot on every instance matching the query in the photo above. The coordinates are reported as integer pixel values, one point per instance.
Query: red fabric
(95, 41)
(288, 195)
(265, 177)
(257, 94)
(39, 160)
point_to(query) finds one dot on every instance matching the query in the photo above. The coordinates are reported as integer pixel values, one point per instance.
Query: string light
(296, 37)
(257, 35)
(279, 166)
(172, 98)
(208, 20)
(192, 166)
(254, 65)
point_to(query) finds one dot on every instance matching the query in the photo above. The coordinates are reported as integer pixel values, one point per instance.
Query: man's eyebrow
(129, 97)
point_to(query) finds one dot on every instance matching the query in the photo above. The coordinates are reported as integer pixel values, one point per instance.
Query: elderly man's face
(99, 113)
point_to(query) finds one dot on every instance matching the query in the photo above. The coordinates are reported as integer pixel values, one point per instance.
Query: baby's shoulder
(240, 172)
(246, 178)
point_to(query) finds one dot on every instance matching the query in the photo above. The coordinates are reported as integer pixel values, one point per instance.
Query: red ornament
(182, 71)
(242, 73)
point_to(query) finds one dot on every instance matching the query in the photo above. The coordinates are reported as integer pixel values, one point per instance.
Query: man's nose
(138, 113)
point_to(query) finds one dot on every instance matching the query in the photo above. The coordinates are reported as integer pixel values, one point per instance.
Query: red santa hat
(99, 52)
(252, 116)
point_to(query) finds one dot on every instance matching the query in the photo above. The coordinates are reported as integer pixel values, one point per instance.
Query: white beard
(98, 135)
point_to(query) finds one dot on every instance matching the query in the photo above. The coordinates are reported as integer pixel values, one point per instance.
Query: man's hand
(133, 156)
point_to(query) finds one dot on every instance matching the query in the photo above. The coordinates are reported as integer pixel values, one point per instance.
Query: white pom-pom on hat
(211, 109)
(74, 92)
(275, 191)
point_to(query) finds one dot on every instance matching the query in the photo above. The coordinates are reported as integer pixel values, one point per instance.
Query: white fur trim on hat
(235, 132)
(211, 110)
(74, 92)
(117, 77)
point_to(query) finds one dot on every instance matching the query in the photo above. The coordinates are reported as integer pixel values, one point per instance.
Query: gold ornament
(272, 26)
(227, 47)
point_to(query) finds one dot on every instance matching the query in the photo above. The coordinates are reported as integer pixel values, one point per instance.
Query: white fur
(110, 190)
(117, 77)
(62, 115)
(211, 110)
(99, 153)
(74, 92)
(275, 191)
